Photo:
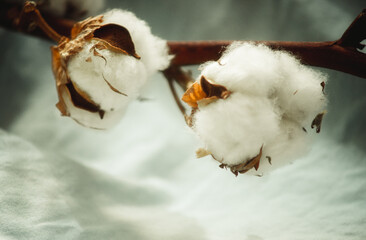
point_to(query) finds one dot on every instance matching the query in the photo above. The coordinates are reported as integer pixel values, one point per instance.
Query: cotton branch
(341, 55)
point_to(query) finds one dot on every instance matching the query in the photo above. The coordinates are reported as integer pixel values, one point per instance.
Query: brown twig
(10, 12)
(340, 55)
(329, 55)
(31, 13)
(184, 80)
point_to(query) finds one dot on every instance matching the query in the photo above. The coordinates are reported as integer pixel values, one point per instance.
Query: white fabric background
(141, 180)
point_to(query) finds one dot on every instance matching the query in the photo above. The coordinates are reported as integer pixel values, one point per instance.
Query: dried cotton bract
(252, 107)
(104, 65)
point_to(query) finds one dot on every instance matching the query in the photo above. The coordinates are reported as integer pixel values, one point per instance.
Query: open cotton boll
(253, 108)
(104, 66)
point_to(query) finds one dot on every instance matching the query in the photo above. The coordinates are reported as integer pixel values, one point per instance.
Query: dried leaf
(207, 101)
(88, 59)
(201, 152)
(97, 54)
(269, 159)
(100, 46)
(204, 92)
(91, 22)
(83, 101)
(323, 86)
(223, 165)
(295, 92)
(189, 118)
(318, 121)
(61, 106)
(113, 88)
(247, 165)
(58, 67)
(214, 90)
(59, 71)
(193, 95)
(116, 38)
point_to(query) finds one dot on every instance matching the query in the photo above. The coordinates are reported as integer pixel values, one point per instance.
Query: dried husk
(317, 122)
(246, 165)
(204, 92)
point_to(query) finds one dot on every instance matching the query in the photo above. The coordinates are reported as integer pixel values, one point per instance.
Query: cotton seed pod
(255, 116)
(99, 71)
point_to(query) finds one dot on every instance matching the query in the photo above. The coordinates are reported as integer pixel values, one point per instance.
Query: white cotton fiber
(274, 100)
(226, 124)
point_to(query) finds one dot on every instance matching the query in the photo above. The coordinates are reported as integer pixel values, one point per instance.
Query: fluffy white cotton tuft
(225, 124)
(274, 100)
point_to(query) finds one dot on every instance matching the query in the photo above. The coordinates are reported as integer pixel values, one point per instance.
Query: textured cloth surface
(141, 180)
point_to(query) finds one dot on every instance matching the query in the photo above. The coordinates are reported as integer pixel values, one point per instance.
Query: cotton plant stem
(11, 12)
(176, 97)
(341, 55)
(329, 55)
(183, 79)
(30, 12)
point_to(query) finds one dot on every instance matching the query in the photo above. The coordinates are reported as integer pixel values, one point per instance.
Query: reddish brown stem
(176, 74)
(330, 55)
(340, 55)
(30, 12)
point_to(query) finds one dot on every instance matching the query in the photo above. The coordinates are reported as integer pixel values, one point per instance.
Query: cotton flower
(104, 66)
(253, 108)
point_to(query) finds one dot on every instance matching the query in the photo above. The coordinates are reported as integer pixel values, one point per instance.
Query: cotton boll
(270, 101)
(103, 66)
(234, 130)
(93, 74)
(153, 50)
